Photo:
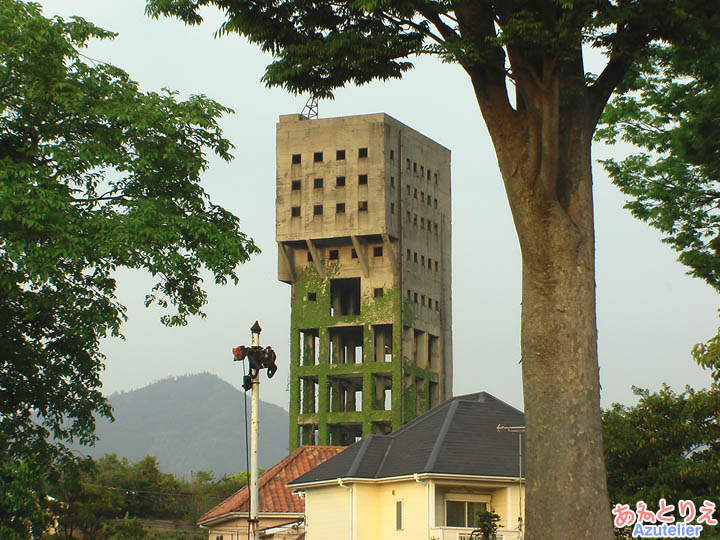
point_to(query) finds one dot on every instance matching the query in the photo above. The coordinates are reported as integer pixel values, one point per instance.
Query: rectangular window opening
(318, 183)
(312, 297)
(295, 211)
(317, 157)
(345, 296)
(392, 154)
(353, 254)
(310, 346)
(398, 515)
(392, 181)
(296, 185)
(392, 208)
(377, 251)
(340, 154)
(382, 342)
(295, 159)
(363, 206)
(340, 181)
(334, 255)
(378, 292)
(317, 210)
(362, 152)
(362, 179)
(346, 345)
(340, 208)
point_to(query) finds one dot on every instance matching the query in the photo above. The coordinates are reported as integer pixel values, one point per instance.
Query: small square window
(363, 152)
(392, 154)
(378, 292)
(353, 254)
(296, 185)
(317, 157)
(317, 210)
(312, 297)
(392, 181)
(340, 154)
(295, 211)
(295, 159)
(362, 179)
(340, 181)
(392, 207)
(318, 183)
(362, 206)
(340, 208)
(377, 251)
(334, 255)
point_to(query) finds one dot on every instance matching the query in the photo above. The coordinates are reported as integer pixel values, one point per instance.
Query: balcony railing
(457, 533)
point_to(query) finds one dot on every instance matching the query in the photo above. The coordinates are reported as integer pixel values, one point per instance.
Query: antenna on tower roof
(311, 108)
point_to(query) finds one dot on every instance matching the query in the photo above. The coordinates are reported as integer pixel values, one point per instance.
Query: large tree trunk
(544, 158)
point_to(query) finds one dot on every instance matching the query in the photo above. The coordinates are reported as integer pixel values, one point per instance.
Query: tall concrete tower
(364, 235)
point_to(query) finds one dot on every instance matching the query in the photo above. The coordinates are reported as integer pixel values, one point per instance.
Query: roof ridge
(382, 462)
(441, 435)
(364, 443)
(422, 418)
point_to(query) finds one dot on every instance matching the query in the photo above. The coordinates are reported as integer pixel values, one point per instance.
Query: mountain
(190, 423)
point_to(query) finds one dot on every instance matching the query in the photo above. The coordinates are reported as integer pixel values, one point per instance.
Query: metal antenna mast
(311, 108)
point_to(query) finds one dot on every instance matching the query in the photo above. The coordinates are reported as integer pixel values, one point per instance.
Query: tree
(542, 138)
(94, 175)
(666, 446)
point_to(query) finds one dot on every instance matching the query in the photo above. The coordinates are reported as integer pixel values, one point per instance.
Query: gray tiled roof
(459, 436)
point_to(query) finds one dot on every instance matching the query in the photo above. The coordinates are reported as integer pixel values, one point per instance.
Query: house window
(398, 515)
(317, 210)
(340, 208)
(362, 206)
(296, 159)
(340, 181)
(462, 513)
(318, 182)
(295, 211)
(362, 179)
(317, 156)
(295, 185)
(363, 152)
(340, 154)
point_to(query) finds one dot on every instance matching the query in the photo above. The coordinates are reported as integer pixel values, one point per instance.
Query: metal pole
(254, 435)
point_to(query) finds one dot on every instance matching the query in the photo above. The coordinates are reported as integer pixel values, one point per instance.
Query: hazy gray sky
(649, 312)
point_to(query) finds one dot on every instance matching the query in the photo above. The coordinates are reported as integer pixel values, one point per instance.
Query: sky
(649, 312)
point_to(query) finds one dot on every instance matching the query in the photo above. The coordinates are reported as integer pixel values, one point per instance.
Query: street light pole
(258, 358)
(519, 430)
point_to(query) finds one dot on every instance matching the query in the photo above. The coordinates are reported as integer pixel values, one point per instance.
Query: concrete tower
(364, 235)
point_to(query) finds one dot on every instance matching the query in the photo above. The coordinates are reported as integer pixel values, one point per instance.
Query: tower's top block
(338, 177)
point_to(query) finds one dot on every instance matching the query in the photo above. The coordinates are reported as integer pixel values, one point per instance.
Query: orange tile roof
(275, 496)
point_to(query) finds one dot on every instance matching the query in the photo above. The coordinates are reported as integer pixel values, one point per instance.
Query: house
(281, 513)
(425, 480)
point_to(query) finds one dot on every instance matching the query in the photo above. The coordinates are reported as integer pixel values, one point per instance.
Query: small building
(281, 513)
(426, 480)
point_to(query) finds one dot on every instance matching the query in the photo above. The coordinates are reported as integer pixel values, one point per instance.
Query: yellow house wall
(329, 514)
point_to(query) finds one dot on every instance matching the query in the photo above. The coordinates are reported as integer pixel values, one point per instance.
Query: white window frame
(466, 498)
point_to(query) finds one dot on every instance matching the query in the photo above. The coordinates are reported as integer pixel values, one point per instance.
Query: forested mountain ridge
(190, 423)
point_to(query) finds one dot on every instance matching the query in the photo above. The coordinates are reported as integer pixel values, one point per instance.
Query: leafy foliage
(94, 175)
(668, 445)
(108, 499)
(670, 112)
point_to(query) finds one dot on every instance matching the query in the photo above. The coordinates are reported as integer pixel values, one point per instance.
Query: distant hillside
(190, 423)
